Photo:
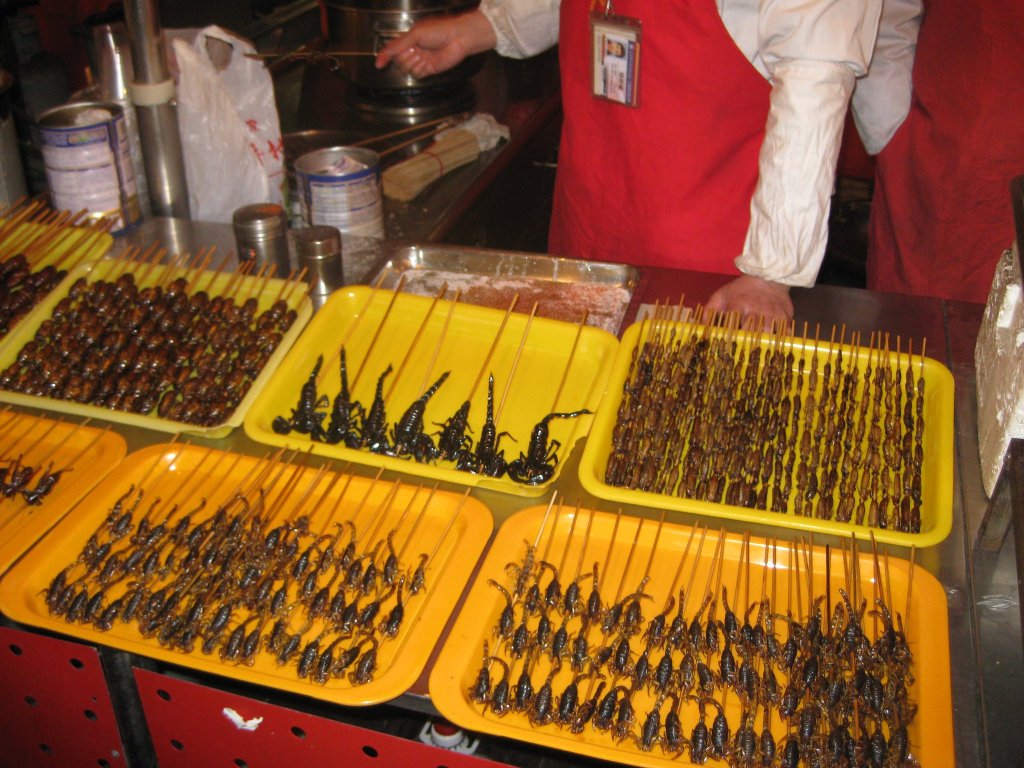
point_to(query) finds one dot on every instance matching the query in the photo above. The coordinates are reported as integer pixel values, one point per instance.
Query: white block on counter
(999, 363)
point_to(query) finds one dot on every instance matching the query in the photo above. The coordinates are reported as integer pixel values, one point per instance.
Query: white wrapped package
(999, 363)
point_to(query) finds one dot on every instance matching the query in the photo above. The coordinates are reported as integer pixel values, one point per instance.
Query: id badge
(615, 58)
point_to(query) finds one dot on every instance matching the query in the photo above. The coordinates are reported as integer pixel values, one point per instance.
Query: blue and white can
(341, 187)
(88, 162)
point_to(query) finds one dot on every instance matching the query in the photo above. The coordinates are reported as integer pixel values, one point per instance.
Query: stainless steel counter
(982, 594)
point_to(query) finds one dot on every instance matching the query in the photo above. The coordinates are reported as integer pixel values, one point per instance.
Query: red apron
(668, 183)
(941, 215)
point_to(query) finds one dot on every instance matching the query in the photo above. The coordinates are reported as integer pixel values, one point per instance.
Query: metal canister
(341, 187)
(318, 250)
(261, 235)
(12, 175)
(88, 162)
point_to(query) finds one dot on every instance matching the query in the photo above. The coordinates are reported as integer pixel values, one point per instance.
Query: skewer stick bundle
(407, 179)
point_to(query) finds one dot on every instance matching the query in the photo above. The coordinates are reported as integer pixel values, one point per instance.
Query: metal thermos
(261, 234)
(318, 250)
(115, 75)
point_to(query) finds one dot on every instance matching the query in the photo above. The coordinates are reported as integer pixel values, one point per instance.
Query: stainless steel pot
(367, 25)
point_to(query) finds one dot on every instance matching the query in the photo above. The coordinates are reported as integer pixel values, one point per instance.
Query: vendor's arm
(516, 28)
(812, 57)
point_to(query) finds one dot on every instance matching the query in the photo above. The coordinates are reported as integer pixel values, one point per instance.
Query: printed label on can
(334, 194)
(88, 162)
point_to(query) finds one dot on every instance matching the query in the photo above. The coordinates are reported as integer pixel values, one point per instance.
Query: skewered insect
(307, 416)
(538, 464)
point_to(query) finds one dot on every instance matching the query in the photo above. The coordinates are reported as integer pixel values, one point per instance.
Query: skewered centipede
(773, 422)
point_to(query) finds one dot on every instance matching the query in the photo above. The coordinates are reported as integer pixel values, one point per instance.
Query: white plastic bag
(230, 132)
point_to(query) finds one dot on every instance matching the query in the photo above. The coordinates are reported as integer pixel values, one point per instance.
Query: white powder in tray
(605, 304)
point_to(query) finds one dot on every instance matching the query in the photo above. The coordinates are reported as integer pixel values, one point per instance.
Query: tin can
(261, 235)
(88, 162)
(340, 187)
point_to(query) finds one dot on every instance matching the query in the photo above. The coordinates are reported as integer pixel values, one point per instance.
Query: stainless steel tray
(563, 288)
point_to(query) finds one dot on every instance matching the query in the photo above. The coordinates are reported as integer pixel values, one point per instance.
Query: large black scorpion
(306, 418)
(538, 464)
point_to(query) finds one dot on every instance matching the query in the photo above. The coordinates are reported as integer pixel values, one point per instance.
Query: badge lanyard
(615, 55)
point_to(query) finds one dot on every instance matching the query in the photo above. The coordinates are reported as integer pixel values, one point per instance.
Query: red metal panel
(55, 702)
(193, 725)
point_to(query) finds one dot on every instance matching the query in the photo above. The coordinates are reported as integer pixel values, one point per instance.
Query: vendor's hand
(437, 44)
(753, 298)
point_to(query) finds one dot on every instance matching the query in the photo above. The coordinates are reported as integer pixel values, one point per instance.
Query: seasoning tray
(935, 474)
(82, 454)
(266, 291)
(563, 288)
(445, 531)
(64, 247)
(422, 339)
(573, 540)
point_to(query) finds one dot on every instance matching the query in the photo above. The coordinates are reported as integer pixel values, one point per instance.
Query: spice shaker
(261, 235)
(318, 250)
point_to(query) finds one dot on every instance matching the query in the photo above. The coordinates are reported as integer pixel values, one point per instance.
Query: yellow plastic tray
(461, 525)
(213, 283)
(460, 659)
(78, 245)
(937, 445)
(82, 453)
(352, 317)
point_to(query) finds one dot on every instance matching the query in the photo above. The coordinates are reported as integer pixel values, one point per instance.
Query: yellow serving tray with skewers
(82, 454)
(553, 366)
(635, 555)
(448, 530)
(936, 443)
(265, 290)
(49, 241)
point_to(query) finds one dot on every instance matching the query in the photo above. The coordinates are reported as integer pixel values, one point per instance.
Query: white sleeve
(523, 27)
(796, 171)
(881, 100)
(835, 31)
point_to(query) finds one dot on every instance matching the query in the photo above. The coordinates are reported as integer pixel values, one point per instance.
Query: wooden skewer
(420, 126)
(377, 331)
(568, 540)
(321, 502)
(586, 541)
(629, 561)
(693, 570)
(679, 568)
(359, 317)
(551, 538)
(416, 524)
(414, 344)
(568, 362)
(299, 280)
(440, 339)
(362, 502)
(515, 364)
(654, 550)
(494, 346)
(383, 510)
(611, 540)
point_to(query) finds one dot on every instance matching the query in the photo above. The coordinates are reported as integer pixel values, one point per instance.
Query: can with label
(88, 162)
(340, 187)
